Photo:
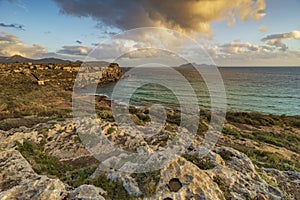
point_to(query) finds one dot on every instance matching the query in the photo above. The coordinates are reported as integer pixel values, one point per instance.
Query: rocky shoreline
(43, 157)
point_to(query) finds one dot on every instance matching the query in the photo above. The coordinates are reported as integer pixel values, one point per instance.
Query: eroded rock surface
(19, 181)
(226, 173)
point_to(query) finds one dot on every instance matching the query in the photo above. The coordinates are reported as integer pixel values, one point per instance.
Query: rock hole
(174, 185)
(168, 198)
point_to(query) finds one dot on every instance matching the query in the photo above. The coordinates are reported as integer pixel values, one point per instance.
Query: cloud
(11, 45)
(262, 29)
(237, 47)
(75, 50)
(109, 33)
(273, 52)
(283, 36)
(272, 58)
(185, 16)
(276, 40)
(78, 42)
(16, 26)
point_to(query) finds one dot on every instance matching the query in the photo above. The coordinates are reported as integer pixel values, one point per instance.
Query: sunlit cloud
(75, 50)
(262, 29)
(184, 16)
(276, 40)
(11, 45)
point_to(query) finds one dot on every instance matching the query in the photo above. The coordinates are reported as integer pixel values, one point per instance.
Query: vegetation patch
(259, 119)
(110, 130)
(202, 163)
(40, 161)
(74, 176)
(289, 141)
(226, 155)
(268, 180)
(271, 160)
(228, 131)
(147, 182)
(223, 186)
(114, 189)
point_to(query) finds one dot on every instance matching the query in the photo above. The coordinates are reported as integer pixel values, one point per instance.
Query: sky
(232, 32)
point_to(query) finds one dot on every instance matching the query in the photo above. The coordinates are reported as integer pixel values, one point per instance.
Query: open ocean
(270, 90)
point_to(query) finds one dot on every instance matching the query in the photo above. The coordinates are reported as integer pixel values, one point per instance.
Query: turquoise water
(272, 90)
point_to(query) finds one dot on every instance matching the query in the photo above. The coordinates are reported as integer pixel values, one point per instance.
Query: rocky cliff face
(94, 75)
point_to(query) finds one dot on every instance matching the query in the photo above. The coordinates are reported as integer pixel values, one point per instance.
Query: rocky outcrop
(287, 181)
(90, 74)
(19, 181)
(87, 192)
(60, 139)
(183, 180)
(239, 178)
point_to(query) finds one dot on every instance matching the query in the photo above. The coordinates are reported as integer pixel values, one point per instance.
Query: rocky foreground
(49, 161)
(42, 156)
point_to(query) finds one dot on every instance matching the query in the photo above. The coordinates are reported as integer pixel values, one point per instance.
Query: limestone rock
(240, 179)
(287, 181)
(184, 180)
(19, 181)
(87, 192)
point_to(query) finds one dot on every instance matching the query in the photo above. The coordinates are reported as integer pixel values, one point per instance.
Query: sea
(269, 90)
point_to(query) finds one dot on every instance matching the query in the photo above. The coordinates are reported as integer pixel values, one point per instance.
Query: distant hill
(21, 59)
(192, 65)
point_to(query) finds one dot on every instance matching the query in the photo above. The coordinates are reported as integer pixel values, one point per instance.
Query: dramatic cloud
(11, 45)
(16, 26)
(183, 15)
(276, 40)
(75, 50)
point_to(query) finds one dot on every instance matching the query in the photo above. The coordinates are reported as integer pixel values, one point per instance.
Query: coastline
(38, 131)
